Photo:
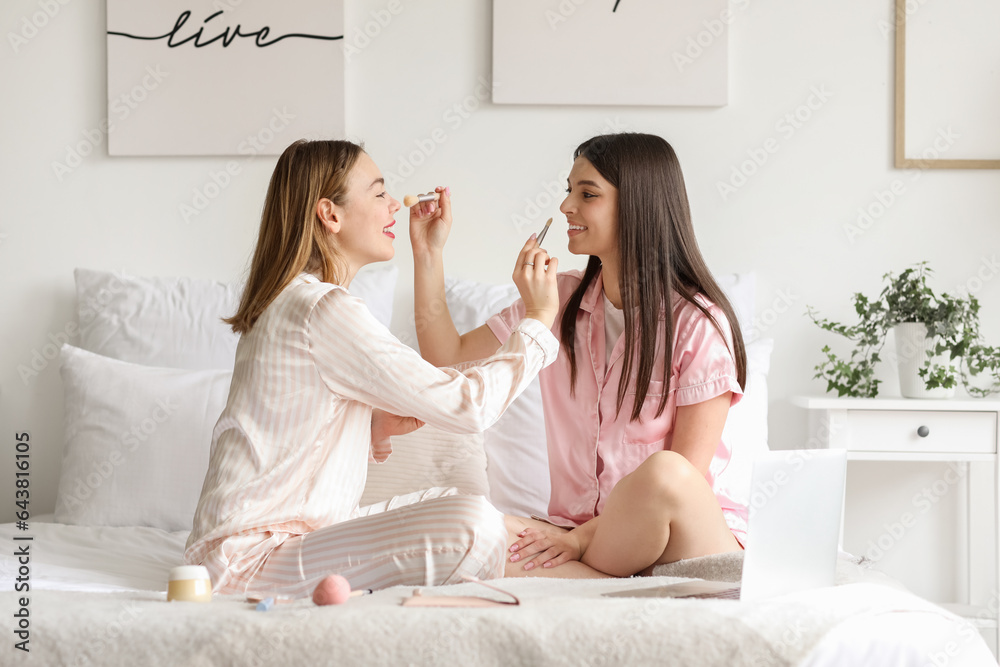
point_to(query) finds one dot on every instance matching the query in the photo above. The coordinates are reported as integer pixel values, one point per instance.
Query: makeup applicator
(541, 234)
(413, 200)
(335, 589)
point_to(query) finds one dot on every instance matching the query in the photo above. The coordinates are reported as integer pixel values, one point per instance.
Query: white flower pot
(912, 345)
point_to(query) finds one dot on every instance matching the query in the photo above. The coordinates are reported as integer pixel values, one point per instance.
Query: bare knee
(664, 475)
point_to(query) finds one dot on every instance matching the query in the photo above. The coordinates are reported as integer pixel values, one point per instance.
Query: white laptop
(793, 531)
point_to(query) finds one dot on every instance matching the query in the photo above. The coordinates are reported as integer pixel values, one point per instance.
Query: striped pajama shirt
(279, 509)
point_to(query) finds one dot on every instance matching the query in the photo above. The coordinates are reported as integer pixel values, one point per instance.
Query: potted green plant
(937, 339)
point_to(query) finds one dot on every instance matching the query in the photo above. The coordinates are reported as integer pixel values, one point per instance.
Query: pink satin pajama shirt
(590, 448)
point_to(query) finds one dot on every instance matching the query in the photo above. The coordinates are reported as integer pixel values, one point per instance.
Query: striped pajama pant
(427, 538)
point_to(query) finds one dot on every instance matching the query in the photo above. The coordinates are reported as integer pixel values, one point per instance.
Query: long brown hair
(658, 256)
(292, 238)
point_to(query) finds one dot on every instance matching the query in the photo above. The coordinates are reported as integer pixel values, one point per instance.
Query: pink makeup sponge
(332, 590)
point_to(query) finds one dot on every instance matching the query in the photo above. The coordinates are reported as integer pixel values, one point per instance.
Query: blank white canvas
(953, 80)
(634, 52)
(240, 99)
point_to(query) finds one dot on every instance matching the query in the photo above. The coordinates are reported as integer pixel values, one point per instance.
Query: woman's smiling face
(367, 216)
(591, 209)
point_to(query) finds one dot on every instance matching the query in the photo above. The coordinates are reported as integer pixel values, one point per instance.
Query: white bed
(142, 393)
(98, 597)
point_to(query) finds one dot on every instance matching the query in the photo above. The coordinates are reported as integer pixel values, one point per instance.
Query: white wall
(787, 222)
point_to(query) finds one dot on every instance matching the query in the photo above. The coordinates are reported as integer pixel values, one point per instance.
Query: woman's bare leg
(662, 512)
(571, 570)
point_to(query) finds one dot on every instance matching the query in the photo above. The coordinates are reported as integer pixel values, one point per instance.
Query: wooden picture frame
(902, 161)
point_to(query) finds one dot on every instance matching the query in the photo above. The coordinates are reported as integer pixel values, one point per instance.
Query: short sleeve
(503, 323)
(703, 365)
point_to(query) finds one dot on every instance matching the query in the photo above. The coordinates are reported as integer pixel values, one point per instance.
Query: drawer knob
(923, 431)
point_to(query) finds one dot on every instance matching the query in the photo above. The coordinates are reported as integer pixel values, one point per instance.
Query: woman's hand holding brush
(535, 277)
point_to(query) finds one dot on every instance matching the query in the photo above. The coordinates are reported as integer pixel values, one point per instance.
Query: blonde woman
(317, 387)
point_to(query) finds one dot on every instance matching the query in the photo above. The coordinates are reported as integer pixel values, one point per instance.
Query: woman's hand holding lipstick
(430, 222)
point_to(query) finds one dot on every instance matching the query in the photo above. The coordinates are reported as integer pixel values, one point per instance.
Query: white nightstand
(901, 429)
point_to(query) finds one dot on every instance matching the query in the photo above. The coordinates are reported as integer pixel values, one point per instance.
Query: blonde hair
(292, 238)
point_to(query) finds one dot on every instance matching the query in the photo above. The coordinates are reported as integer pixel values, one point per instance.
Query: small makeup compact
(189, 583)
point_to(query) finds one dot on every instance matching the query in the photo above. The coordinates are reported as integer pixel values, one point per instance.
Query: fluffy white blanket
(559, 622)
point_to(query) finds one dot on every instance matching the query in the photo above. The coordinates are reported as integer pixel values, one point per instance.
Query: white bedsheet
(561, 622)
(95, 558)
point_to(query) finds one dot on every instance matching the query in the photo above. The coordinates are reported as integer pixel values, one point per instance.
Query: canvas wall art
(223, 77)
(618, 52)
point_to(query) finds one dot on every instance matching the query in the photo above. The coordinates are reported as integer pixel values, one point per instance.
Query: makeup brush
(413, 200)
(541, 234)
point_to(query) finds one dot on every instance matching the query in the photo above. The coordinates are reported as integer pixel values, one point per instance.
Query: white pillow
(427, 458)
(376, 285)
(137, 441)
(741, 289)
(166, 322)
(517, 459)
(516, 451)
(177, 322)
(745, 431)
(746, 426)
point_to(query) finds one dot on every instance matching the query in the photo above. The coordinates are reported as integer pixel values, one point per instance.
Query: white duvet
(97, 598)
